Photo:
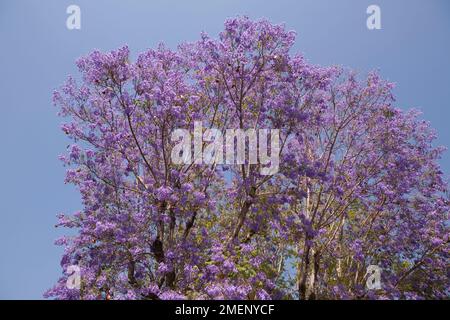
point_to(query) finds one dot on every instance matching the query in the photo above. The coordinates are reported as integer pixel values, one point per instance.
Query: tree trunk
(303, 273)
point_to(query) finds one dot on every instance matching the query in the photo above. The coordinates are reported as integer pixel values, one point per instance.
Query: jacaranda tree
(358, 181)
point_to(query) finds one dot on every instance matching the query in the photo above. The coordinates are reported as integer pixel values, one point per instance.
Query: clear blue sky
(37, 52)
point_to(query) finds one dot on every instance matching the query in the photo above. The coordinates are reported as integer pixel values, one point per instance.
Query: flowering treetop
(358, 182)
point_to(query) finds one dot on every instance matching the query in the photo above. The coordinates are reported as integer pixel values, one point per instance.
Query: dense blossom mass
(358, 184)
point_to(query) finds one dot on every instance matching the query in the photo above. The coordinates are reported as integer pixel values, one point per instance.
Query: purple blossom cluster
(359, 182)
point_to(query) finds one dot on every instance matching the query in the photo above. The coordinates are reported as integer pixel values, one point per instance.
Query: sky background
(37, 53)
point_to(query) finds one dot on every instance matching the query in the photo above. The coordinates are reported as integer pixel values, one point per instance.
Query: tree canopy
(358, 184)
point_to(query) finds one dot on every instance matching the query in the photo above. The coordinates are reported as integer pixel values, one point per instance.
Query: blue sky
(37, 52)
